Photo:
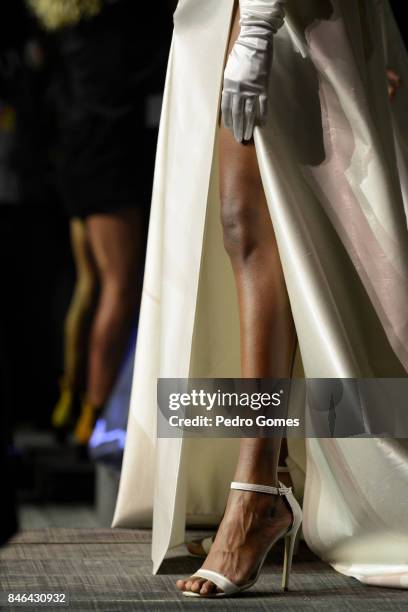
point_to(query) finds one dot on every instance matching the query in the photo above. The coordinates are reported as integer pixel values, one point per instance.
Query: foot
(86, 423)
(62, 412)
(251, 521)
(196, 547)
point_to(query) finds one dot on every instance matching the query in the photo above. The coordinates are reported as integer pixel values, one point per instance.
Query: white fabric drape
(328, 158)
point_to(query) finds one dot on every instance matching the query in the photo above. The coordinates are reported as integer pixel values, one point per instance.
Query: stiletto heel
(227, 587)
(297, 543)
(287, 561)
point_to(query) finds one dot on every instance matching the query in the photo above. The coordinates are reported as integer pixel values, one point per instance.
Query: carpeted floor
(102, 569)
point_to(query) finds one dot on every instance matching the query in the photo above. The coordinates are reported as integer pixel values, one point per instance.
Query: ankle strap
(243, 486)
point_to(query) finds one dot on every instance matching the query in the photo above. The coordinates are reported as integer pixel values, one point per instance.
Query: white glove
(244, 97)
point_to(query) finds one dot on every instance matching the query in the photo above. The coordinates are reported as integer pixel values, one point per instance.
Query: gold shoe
(86, 423)
(62, 414)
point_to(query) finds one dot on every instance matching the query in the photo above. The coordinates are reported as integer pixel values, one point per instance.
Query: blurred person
(106, 77)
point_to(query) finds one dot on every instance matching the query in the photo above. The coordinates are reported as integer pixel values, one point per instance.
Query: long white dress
(333, 159)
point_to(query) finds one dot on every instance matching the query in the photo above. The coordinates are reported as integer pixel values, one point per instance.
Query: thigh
(117, 243)
(241, 189)
(240, 178)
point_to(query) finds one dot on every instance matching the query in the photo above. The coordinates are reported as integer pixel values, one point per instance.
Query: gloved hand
(244, 96)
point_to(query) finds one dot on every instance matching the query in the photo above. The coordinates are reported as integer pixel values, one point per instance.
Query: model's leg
(81, 310)
(77, 323)
(268, 340)
(118, 244)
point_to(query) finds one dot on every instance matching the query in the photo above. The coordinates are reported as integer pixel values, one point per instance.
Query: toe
(207, 588)
(181, 585)
(196, 586)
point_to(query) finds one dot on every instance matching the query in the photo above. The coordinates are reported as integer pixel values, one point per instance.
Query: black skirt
(107, 69)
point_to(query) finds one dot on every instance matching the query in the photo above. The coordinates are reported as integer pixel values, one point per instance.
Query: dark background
(37, 273)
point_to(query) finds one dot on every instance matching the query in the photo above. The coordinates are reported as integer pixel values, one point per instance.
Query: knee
(86, 289)
(239, 221)
(121, 291)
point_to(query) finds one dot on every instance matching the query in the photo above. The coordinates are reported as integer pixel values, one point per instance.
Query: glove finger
(250, 115)
(238, 103)
(226, 109)
(263, 110)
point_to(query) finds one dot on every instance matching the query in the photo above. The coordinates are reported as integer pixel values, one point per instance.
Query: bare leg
(268, 340)
(77, 325)
(81, 310)
(117, 242)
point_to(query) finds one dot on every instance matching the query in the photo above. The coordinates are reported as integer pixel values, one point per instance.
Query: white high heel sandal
(227, 587)
(207, 542)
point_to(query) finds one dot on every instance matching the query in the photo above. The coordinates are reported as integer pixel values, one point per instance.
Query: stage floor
(103, 569)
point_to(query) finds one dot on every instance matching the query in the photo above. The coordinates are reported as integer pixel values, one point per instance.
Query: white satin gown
(333, 159)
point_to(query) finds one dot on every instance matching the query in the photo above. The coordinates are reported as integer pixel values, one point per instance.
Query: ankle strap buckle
(243, 486)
